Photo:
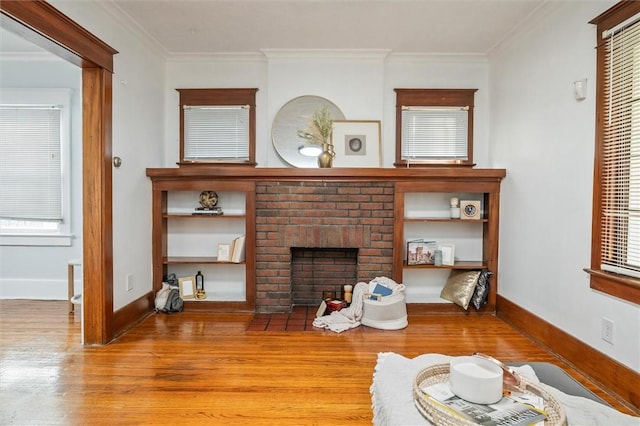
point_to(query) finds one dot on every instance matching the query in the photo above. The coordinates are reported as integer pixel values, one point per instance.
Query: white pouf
(387, 313)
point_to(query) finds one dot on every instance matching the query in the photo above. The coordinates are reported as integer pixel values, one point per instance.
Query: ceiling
(401, 26)
(200, 27)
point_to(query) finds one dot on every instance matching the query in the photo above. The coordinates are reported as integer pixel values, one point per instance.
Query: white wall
(545, 140)
(359, 82)
(38, 271)
(138, 138)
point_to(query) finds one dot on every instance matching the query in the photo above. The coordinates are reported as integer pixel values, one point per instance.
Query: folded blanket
(346, 318)
(392, 395)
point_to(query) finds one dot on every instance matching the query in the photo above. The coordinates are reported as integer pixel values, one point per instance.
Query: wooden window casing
(434, 98)
(219, 97)
(605, 226)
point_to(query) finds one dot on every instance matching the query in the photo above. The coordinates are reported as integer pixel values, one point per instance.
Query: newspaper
(514, 409)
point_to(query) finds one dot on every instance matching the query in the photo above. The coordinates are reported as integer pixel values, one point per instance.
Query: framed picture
(187, 287)
(356, 143)
(448, 254)
(224, 252)
(420, 252)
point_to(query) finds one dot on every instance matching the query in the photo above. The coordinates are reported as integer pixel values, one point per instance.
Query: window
(615, 257)
(34, 166)
(217, 126)
(434, 127)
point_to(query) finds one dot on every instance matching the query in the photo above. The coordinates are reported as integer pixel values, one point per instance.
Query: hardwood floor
(197, 368)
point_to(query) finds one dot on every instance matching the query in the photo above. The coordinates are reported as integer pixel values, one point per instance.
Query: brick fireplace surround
(319, 215)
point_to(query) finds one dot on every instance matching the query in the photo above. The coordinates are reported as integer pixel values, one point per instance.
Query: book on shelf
(211, 211)
(514, 409)
(238, 249)
(420, 252)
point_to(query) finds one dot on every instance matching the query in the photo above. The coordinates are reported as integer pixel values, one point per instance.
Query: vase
(325, 159)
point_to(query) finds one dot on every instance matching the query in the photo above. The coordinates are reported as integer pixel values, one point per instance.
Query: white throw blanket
(392, 395)
(346, 318)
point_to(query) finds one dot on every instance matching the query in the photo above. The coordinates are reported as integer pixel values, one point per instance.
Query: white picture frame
(356, 143)
(187, 287)
(448, 254)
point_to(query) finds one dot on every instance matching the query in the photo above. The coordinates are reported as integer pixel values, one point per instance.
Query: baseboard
(37, 289)
(130, 315)
(615, 377)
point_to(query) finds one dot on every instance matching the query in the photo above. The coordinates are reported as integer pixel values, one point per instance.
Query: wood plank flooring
(198, 368)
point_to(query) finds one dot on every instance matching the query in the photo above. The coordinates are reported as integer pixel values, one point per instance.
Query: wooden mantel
(349, 174)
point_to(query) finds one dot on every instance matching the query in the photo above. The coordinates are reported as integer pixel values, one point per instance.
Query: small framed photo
(187, 287)
(420, 252)
(448, 251)
(356, 143)
(224, 252)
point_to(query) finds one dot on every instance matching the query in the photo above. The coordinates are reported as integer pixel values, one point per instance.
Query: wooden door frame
(42, 24)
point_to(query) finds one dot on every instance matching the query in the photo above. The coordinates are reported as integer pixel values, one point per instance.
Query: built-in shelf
(467, 182)
(457, 265)
(197, 260)
(183, 238)
(202, 216)
(443, 219)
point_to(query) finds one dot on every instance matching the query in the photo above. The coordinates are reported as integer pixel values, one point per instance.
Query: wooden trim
(452, 174)
(620, 286)
(226, 96)
(97, 206)
(42, 24)
(434, 97)
(128, 316)
(624, 288)
(609, 373)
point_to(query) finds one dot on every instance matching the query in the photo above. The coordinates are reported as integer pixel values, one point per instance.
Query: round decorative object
(294, 116)
(208, 199)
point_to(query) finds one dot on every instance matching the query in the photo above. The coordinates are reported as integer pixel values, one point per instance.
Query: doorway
(43, 25)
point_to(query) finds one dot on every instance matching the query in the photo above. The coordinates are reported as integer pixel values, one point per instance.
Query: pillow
(460, 287)
(481, 293)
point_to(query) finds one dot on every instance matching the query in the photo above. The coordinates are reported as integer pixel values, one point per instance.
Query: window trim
(220, 97)
(620, 286)
(434, 98)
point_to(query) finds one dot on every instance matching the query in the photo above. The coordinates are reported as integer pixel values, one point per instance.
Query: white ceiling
(249, 26)
(402, 26)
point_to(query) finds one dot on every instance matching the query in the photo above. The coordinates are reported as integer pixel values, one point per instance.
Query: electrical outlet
(607, 330)
(129, 282)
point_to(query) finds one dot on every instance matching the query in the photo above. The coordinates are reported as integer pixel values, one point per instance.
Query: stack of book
(214, 211)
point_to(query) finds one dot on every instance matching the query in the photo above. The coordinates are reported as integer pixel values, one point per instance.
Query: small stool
(72, 299)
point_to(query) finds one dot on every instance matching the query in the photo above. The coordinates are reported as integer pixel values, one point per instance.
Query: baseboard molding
(617, 378)
(128, 316)
(37, 289)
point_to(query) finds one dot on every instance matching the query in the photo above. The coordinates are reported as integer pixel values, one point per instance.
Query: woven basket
(439, 373)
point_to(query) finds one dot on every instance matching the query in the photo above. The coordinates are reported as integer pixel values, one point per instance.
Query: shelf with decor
(187, 237)
(459, 264)
(423, 217)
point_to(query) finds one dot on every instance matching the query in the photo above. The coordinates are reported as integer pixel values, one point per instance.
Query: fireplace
(353, 218)
(318, 270)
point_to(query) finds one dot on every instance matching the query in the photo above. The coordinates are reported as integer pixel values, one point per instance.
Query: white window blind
(30, 162)
(620, 226)
(435, 133)
(214, 133)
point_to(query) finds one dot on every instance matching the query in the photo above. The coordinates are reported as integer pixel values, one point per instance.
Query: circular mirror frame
(296, 115)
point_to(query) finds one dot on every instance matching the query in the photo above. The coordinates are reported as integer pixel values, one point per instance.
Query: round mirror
(296, 116)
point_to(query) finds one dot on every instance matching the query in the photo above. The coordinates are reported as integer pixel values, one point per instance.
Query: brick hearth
(354, 215)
